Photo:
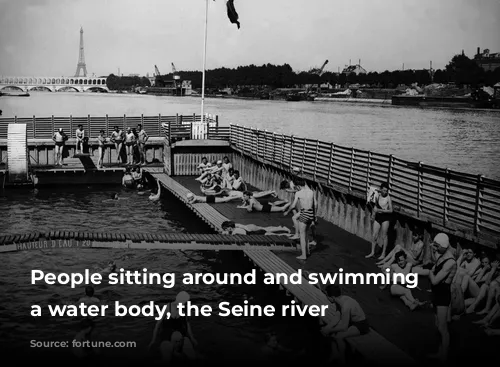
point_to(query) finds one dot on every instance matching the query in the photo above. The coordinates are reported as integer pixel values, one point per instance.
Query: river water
(463, 140)
(89, 209)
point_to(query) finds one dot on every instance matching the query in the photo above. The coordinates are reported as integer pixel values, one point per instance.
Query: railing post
(34, 127)
(351, 169)
(88, 124)
(217, 120)
(390, 170)
(107, 125)
(52, 123)
(176, 118)
(332, 160)
(124, 123)
(419, 188)
(479, 204)
(316, 160)
(303, 156)
(368, 171)
(446, 199)
(159, 124)
(15, 120)
(291, 152)
(142, 119)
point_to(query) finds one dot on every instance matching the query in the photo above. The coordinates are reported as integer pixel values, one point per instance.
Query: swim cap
(296, 169)
(219, 162)
(190, 195)
(442, 240)
(182, 297)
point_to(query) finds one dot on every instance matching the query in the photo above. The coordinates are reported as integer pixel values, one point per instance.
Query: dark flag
(231, 13)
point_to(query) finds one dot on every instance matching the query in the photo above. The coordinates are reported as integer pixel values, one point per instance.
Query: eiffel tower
(81, 58)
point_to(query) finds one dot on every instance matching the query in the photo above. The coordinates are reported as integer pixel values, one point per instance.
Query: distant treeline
(460, 70)
(126, 82)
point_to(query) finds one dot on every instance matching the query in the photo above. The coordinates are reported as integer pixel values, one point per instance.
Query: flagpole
(204, 63)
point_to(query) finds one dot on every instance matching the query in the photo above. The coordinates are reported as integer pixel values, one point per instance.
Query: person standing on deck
(381, 217)
(129, 143)
(117, 139)
(80, 136)
(441, 276)
(305, 198)
(141, 142)
(101, 140)
(59, 139)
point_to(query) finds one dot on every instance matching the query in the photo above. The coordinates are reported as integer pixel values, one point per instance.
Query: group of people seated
(220, 183)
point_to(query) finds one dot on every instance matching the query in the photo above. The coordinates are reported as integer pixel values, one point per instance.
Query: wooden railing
(45, 127)
(454, 200)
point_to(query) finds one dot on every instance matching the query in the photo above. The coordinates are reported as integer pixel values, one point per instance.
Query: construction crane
(319, 72)
(176, 76)
(157, 72)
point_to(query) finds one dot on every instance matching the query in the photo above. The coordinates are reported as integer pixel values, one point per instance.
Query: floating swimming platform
(168, 241)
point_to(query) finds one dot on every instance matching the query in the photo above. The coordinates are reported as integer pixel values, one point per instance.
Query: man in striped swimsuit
(305, 198)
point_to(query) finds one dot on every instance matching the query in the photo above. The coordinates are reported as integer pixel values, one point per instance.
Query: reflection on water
(464, 140)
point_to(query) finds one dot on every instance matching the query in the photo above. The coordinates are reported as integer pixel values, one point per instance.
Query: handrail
(450, 199)
(45, 127)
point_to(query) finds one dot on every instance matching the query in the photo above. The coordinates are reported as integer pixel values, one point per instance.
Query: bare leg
(442, 325)
(492, 292)
(390, 255)
(303, 240)
(385, 240)
(261, 194)
(376, 229)
(295, 221)
(483, 291)
(397, 290)
(277, 209)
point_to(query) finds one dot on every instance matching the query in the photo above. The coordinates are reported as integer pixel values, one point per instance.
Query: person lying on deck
(414, 254)
(403, 266)
(230, 227)
(252, 204)
(209, 199)
(255, 194)
(212, 186)
(352, 322)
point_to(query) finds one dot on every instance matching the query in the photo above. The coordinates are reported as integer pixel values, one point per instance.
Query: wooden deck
(373, 347)
(168, 241)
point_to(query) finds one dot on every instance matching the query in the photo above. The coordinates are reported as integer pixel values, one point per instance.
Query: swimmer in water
(156, 197)
(113, 197)
(110, 268)
(89, 298)
(85, 351)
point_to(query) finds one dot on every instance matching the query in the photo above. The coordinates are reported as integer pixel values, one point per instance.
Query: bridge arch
(12, 87)
(68, 88)
(41, 88)
(97, 88)
(80, 81)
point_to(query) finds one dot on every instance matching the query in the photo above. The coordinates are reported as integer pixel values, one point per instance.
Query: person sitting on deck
(153, 196)
(80, 136)
(228, 180)
(209, 199)
(230, 227)
(467, 264)
(128, 179)
(308, 208)
(352, 322)
(212, 186)
(404, 267)
(138, 179)
(252, 204)
(234, 182)
(414, 254)
(489, 289)
(204, 165)
(214, 170)
(174, 322)
(471, 285)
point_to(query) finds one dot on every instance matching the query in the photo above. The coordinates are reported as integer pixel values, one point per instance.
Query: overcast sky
(41, 37)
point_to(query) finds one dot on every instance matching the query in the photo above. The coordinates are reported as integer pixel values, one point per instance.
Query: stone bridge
(54, 84)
